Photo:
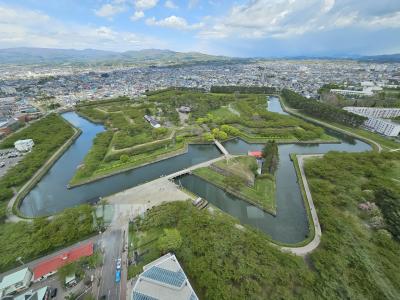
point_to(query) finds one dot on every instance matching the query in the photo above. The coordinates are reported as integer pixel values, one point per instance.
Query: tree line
(228, 89)
(270, 155)
(321, 110)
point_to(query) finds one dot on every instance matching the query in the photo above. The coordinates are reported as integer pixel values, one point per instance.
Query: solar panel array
(140, 296)
(169, 277)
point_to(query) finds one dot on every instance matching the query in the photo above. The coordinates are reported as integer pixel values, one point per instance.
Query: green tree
(270, 154)
(170, 241)
(208, 137)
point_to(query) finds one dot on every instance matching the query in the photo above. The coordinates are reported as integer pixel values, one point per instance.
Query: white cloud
(137, 15)
(109, 10)
(37, 29)
(170, 4)
(283, 18)
(174, 22)
(145, 4)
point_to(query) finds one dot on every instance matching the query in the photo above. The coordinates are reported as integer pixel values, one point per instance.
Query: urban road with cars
(112, 280)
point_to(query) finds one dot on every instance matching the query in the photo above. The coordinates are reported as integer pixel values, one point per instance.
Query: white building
(15, 282)
(39, 294)
(24, 145)
(385, 127)
(375, 112)
(163, 279)
(367, 92)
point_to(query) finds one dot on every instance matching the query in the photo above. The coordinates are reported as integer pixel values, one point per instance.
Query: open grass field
(234, 176)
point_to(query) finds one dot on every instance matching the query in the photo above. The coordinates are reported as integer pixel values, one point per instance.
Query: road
(111, 242)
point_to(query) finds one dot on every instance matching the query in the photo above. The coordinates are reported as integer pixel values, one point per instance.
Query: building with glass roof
(163, 279)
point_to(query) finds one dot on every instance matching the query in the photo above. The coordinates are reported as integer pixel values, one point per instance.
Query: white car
(119, 264)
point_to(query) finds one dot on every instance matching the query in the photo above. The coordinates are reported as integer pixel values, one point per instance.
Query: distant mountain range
(92, 56)
(382, 58)
(48, 56)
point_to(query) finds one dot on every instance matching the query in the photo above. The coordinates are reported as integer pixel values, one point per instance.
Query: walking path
(221, 148)
(313, 244)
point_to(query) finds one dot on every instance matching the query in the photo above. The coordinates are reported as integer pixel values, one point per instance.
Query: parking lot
(8, 159)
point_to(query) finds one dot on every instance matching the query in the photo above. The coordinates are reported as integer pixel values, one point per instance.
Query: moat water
(290, 225)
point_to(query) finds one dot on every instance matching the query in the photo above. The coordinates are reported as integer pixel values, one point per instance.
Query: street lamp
(19, 258)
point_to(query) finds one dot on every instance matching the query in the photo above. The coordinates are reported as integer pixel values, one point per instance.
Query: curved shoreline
(298, 250)
(13, 212)
(97, 178)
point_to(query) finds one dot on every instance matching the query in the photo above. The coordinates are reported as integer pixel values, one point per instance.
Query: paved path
(313, 244)
(221, 148)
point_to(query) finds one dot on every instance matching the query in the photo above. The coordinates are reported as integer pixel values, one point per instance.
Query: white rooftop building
(24, 145)
(366, 92)
(15, 282)
(163, 279)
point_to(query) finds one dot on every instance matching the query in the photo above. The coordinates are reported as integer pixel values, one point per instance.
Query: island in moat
(256, 170)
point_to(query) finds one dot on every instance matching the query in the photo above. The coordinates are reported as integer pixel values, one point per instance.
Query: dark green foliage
(30, 240)
(321, 110)
(224, 262)
(355, 260)
(270, 154)
(48, 134)
(243, 89)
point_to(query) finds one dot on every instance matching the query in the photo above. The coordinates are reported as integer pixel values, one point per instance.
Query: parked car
(118, 276)
(119, 263)
(53, 293)
(2, 164)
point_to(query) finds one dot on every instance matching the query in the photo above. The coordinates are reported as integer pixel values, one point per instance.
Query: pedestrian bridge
(221, 148)
(190, 169)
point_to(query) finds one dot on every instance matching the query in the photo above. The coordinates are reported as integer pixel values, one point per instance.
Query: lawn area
(107, 167)
(130, 141)
(222, 113)
(238, 173)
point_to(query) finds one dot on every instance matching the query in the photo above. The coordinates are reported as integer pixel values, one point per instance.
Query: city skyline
(257, 28)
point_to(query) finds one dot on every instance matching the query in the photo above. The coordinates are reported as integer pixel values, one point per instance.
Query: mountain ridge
(28, 55)
(32, 55)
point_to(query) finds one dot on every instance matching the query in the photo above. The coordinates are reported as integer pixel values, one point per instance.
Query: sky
(242, 28)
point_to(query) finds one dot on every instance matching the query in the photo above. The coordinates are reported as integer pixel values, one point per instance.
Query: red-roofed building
(50, 266)
(256, 154)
